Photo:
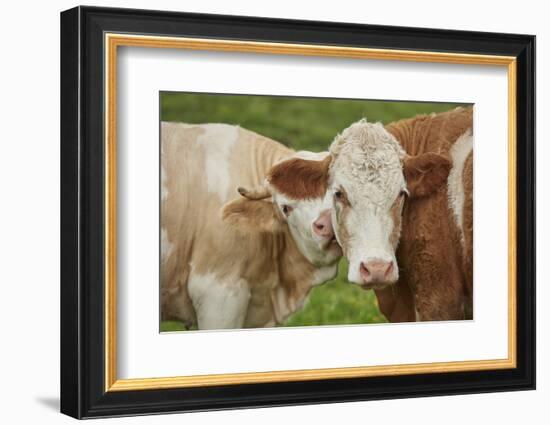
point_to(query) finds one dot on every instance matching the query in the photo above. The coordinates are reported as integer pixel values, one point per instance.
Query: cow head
(369, 179)
(294, 194)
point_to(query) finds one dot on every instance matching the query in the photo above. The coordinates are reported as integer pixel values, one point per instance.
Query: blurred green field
(303, 124)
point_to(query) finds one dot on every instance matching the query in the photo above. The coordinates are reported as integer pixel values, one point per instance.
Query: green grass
(338, 303)
(303, 124)
(171, 326)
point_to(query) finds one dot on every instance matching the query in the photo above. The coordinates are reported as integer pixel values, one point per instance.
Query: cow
(238, 248)
(449, 294)
(402, 212)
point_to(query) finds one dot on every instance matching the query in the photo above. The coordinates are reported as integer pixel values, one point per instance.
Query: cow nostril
(389, 269)
(319, 228)
(364, 270)
(376, 271)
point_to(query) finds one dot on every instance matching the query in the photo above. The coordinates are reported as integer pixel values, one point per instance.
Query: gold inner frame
(113, 41)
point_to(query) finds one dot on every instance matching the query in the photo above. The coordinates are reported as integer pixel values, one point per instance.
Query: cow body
(435, 252)
(222, 267)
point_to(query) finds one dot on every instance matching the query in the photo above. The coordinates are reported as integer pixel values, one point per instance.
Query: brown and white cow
(402, 212)
(230, 260)
(437, 229)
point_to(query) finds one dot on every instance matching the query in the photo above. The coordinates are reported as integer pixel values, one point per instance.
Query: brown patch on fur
(396, 211)
(426, 173)
(300, 178)
(468, 222)
(396, 302)
(432, 133)
(435, 271)
(429, 258)
(252, 216)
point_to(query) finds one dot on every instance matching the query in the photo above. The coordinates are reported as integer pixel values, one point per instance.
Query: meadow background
(302, 124)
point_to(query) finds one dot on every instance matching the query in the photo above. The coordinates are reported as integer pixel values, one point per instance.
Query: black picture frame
(83, 392)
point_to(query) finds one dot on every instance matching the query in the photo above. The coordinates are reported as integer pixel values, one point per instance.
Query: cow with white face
(369, 189)
(407, 184)
(371, 176)
(303, 205)
(242, 243)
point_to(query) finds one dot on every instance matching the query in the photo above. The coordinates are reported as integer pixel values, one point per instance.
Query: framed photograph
(261, 212)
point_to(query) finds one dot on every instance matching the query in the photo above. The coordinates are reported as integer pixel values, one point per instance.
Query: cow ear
(300, 178)
(425, 173)
(252, 216)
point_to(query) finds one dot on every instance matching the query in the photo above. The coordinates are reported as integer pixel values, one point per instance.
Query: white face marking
(218, 141)
(166, 247)
(367, 167)
(220, 303)
(318, 250)
(459, 153)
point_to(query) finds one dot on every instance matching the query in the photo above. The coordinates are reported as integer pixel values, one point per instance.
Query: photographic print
(254, 183)
(286, 211)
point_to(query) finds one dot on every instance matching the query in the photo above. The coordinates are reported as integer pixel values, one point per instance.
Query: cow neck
(295, 278)
(432, 133)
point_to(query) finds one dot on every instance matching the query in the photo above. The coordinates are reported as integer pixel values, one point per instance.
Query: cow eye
(341, 197)
(287, 209)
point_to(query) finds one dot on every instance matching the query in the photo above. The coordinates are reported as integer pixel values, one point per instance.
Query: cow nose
(376, 271)
(323, 225)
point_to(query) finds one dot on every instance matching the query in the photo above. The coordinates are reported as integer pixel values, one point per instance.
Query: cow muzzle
(377, 273)
(323, 226)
